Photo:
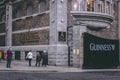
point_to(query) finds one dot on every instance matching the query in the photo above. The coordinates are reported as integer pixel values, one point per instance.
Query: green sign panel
(100, 52)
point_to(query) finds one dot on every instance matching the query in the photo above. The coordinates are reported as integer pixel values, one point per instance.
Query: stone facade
(25, 26)
(75, 37)
(58, 26)
(24, 23)
(112, 31)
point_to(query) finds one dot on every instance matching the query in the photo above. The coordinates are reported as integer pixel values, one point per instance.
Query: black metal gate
(100, 53)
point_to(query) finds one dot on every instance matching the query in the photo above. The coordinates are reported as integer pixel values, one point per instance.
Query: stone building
(80, 33)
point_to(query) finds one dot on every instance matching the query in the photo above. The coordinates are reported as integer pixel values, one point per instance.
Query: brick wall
(31, 22)
(27, 22)
(31, 38)
(23, 6)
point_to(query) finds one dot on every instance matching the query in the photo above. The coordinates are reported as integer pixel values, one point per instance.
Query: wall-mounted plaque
(62, 36)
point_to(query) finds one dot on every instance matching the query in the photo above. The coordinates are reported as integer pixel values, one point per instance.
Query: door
(17, 55)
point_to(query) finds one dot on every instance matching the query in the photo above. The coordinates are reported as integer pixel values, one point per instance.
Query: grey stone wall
(58, 19)
(58, 50)
(75, 42)
(70, 21)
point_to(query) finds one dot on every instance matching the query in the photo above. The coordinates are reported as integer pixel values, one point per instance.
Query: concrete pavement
(23, 66)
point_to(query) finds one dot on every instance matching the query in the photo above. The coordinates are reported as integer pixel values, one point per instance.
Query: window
(101, 6)
(29, 9)
(108, 7)
(79, 5)
(2, 17)
(42, 5)
(18, 13)
(90, 5)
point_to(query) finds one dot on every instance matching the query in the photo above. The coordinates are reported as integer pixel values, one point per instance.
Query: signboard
(100, 52)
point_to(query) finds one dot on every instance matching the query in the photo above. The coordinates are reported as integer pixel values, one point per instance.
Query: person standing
(45, 58)
(29, 57)
(38, 59)
(9, 57)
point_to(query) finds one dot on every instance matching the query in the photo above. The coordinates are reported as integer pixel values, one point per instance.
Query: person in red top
(9, 57)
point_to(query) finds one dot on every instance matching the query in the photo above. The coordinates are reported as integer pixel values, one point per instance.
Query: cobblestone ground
(113, 75)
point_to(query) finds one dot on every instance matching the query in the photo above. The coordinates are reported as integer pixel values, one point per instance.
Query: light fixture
(88, 2)
(75, 7)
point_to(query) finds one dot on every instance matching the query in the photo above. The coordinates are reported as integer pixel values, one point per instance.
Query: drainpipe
(119, 28)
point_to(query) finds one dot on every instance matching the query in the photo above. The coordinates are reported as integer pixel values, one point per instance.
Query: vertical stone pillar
(22, 55)
(58, 49)
(78, 47)
(8, 24)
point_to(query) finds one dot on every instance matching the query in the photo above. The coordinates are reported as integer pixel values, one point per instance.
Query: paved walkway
(23, 66)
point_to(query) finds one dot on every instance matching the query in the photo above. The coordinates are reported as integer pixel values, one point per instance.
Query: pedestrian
(45, 58)
(9, 57)
(29, 57)
(38, 59)
(0, 55)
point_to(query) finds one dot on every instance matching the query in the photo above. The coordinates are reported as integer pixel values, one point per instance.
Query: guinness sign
(101, 47)
(100, 52)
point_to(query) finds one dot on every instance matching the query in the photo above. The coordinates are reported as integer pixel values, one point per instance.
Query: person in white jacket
(29, 57)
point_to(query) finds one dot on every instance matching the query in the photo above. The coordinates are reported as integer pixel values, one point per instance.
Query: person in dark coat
(45, 58)
(38, 59)
(9, 58)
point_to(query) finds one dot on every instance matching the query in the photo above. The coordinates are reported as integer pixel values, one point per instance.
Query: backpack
(6, 55)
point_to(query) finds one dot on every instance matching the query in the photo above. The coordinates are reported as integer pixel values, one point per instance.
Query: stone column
(8, 24)
(78, 47)
(58, 49)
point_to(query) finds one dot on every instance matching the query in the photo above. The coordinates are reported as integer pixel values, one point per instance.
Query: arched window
(108, 7)
(29, 9)
(101, 6)
(90, 5)
(78, 5)
(42, 5)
